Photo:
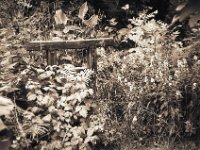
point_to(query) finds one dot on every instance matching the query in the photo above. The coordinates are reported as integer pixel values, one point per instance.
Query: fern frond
(86, 75)
(35, 130)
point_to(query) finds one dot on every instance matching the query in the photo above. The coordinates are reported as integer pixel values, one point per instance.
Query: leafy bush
(54, 106)
(151, 89)
(146, 92)
(59, 114)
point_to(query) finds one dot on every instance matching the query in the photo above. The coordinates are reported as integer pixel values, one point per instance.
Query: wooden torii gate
(52, 46)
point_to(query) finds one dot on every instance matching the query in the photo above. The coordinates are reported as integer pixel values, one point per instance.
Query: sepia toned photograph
(99, 74)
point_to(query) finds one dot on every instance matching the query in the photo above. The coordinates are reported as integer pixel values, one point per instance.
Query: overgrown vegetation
(147, 92)
(152, 88)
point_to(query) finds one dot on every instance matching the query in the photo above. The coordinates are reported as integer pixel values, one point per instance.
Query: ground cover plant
(147, 87)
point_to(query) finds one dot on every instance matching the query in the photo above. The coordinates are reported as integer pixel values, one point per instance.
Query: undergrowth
(147, 95)
(150, 91)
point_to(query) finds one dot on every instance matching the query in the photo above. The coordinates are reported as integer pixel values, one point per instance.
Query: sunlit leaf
(68, 107)
(43, 100)
(60, 17)
(47, 118)
(126, 7)
(83, 10)
(92, 139)
(46, 88)
(77, 131)
(92, 21)
(83, 110)
(2, 125)
(38, 91)
(39, 70)
(6, 106)
(112, 22)
(92, 130)
(6, 60)
(31, 96)
(12, 66)
(8, 89)
(180, 7)
(42, 76)
(76, 141)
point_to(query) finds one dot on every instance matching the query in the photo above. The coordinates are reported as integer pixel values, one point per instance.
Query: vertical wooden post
(92, 64)
(92, 59)
(51, 57)
(47, 57)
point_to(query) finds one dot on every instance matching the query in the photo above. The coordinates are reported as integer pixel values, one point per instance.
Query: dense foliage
(147, 88)
(153, 85)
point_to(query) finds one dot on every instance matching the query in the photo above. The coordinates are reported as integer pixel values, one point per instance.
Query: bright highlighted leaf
(92, 22)
(83, 10)
(31, 96)
(92, 139)
(83, 111)
(6, 105)
(60, 17)
(92, 130)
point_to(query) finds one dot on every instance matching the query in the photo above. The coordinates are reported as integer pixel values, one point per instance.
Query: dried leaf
(83, 10)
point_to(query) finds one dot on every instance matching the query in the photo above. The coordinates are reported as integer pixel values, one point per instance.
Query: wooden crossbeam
(71, 44)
